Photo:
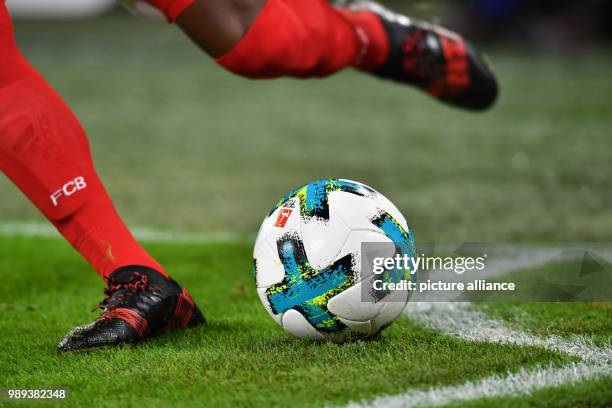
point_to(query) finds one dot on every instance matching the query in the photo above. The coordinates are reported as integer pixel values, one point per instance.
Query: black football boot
(140, 303)
(432, 58)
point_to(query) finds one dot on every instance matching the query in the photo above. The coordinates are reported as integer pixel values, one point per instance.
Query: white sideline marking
(460, 320)
(523, 381)
(35, 229)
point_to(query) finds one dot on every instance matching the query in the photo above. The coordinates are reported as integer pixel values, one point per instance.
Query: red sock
(307, 38)
(45, 152)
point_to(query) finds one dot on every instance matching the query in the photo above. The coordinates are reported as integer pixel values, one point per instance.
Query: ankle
(372, 37)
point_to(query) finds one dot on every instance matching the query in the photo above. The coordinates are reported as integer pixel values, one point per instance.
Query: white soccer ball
(307, 261)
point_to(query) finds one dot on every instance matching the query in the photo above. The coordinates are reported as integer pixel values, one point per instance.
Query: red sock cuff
(171, 8)
(373, 37)
(299, 38)
(242, 59)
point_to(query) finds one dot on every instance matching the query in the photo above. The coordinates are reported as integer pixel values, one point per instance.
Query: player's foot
(432, 58)
(140, 303)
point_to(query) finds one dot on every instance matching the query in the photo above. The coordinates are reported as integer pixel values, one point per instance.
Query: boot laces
(116, 293)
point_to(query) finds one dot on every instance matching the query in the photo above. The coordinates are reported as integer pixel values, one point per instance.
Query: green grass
(240, 358)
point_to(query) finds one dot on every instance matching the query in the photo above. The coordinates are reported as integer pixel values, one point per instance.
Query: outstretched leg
(45, 152)
(311, 38)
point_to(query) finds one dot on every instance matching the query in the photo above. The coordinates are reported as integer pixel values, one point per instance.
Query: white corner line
(521, 382)
(462, 321)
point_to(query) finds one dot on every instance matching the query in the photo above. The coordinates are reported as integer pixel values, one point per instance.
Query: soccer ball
(307, 261)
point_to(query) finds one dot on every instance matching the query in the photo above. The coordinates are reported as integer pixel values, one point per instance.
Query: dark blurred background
(550, 22)
(172, 133)
(554, 23)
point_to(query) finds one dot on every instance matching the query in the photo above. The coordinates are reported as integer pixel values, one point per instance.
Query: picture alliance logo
(424, 263)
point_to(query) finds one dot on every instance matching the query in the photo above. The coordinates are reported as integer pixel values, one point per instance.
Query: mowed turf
(241, 357)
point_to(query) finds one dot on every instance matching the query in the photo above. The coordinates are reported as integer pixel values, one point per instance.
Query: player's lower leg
(45, 152)
(310, 38)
